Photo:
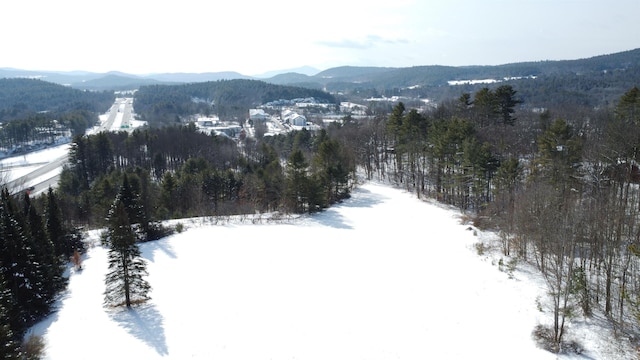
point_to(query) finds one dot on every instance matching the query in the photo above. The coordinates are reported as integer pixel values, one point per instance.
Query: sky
(254, 37)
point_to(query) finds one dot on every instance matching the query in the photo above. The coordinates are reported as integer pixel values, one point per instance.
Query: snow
(383, 275)
(15, 167)
(472, 82)
(487, 81)
(117, 122)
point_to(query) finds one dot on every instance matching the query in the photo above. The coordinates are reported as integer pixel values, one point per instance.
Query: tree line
(44, 128)
(559, 185)
(35, 246)
(181, 172)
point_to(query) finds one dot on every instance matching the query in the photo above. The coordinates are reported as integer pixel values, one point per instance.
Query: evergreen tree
(168, 194)
(9, 348)
(628, 106)
(394, 127)
(55, 227)
(52, 267)
(273, 184)
(333, 168)
(78, 156)
(124, 281)
(135, 211)
(131, 202)
(560, 150)
(316, 197)
(101, 153)
(20, 269)
(297, 183)
(506, 101)
(485, 108)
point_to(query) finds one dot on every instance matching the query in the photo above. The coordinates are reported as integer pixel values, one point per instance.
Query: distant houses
(281, 116)
(274, 118)
(213, 125)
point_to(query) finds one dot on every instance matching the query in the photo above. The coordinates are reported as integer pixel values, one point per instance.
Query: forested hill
(230, 98)
(21, 98)
(593, 81)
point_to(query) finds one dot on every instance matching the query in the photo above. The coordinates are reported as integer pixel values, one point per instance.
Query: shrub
(157, 231)
(544, 338)
(33, 348)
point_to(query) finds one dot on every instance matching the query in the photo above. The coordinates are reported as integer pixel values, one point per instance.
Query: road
(119, 117)
(39, 179)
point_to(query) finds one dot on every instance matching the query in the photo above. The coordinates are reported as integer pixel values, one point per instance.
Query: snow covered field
(381, 276)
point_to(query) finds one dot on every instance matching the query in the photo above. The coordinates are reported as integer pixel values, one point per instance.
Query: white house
(298, 120)
(293, 118)
(258, 115)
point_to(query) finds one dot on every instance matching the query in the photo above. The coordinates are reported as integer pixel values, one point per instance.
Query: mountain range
(618, 72)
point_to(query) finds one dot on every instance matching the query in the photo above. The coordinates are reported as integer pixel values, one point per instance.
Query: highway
(118, 118)
(39, 179)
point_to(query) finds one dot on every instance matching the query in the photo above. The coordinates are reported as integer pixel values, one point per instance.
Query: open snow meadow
(383, 275)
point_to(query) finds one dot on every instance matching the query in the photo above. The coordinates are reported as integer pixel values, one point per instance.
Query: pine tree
(55, 227)
(333, 167)
(135, 211)
(131, 202)
(125, 284)
(506, 101)
(297, 182)
(9, 348)
(52, 267)
(19, 268)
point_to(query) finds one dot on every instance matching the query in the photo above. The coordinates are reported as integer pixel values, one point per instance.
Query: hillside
(34, 95)
(116, 82)
(594, 81)
(338, 285)
(227, 98)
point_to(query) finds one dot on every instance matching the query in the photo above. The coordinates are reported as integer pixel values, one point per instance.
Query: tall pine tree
(125, 283)
(54, 226)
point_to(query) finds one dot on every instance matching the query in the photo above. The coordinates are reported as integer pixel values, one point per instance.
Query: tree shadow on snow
(149, 249)
(363, 198)
(332, 218)
(145, 323)
(360, 198)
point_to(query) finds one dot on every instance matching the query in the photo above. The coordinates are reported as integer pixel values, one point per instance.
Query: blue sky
(253, 37)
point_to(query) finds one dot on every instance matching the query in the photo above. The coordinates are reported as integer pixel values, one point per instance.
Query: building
(258, 115)
(293, 118)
